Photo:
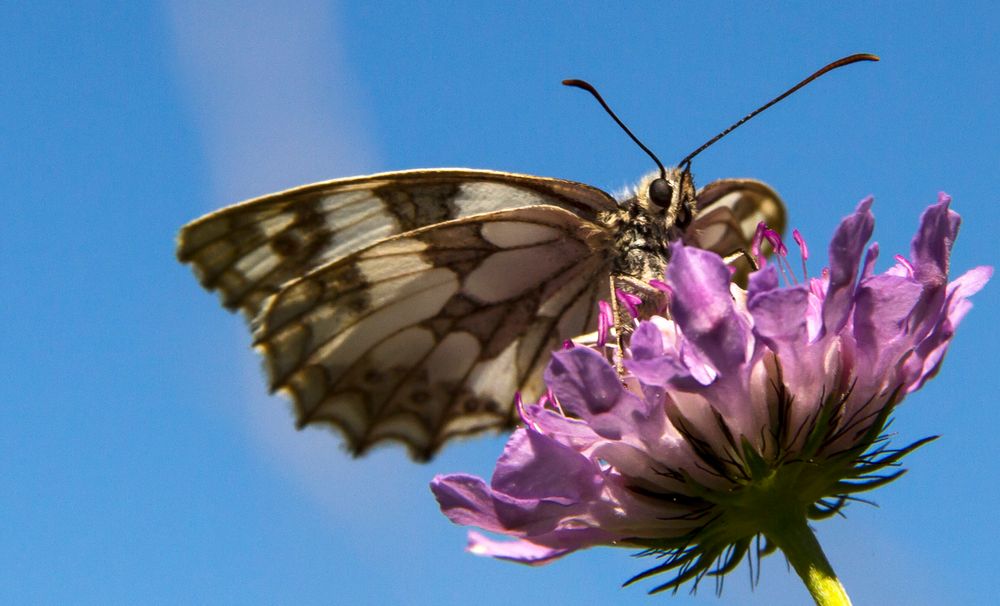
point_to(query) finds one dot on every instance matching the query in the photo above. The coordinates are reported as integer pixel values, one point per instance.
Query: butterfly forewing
(419, 335)
(248, 251)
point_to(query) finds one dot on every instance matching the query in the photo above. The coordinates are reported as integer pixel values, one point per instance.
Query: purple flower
(742, 410)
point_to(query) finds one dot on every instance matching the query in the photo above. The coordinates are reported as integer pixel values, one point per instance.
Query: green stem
(799, 544)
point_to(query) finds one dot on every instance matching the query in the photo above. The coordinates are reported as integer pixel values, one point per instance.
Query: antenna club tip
(860, 57)
(577, 83)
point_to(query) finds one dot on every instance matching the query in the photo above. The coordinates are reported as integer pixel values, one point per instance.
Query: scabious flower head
(741, 413)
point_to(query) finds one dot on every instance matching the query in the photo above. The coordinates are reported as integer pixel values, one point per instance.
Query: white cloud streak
(276, 106)
(271, 93)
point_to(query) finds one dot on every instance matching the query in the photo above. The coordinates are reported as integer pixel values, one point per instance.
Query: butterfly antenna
(593, 91)
(832, 66)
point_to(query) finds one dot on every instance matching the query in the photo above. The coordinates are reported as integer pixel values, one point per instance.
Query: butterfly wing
(728, 213)
(429, 334)
(248, 251)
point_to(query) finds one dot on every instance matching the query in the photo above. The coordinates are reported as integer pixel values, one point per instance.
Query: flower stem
(799, 544)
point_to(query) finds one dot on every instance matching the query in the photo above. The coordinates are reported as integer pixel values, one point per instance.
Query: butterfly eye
(661, 193)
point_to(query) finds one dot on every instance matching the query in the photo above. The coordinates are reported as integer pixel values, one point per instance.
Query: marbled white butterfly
(412, 305)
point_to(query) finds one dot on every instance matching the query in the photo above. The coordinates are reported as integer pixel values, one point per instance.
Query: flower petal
(762, 280)
(884, 304)
(646, 342)
(534, 467)
(649, 362)
(868, 267)
(521, 551)
(932, 244)
(780, 315)
(846, 249)
(589, 388)
(929, 354)
(466, 500)
(970, 282)
(571, 432)
(703, 306)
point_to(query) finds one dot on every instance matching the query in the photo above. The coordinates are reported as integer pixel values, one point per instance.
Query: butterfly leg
(741, 252)
(653, 303)
(616, 313)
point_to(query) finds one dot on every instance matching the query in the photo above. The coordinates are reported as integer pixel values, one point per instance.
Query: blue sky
(140, 459)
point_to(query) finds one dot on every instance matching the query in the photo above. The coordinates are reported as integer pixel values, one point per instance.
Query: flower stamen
(630, 301)
(906, 264)
(605, 320)
(804, 250)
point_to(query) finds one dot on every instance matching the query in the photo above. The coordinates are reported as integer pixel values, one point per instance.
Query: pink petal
(521, 551)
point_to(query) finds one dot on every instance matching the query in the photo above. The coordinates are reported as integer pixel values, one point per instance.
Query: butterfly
(411, 306)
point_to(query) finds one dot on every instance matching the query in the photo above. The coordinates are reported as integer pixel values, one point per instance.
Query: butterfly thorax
(642, 231)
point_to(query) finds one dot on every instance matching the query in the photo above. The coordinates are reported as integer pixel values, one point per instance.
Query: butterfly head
(670, 195)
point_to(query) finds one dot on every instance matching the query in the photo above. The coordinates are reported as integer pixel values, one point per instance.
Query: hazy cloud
(270, 90)
(276, 106)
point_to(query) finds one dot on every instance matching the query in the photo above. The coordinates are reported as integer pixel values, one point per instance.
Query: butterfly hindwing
(429, 334)
(250, 250)
(728, 213)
